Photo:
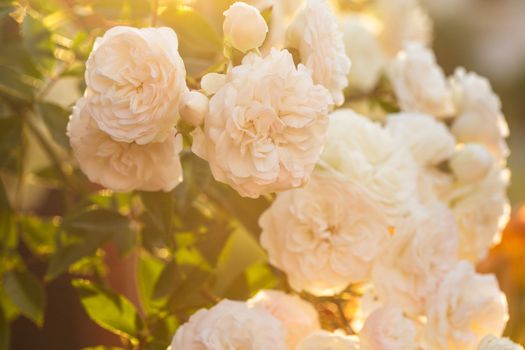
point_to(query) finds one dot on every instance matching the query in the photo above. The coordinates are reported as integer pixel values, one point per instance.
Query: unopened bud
(244, 27)
(193, 108)
(472, 162)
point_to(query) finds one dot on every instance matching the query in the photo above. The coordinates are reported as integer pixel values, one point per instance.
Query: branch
(53, 157)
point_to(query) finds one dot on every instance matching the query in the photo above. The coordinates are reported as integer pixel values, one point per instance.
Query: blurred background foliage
(82, 267)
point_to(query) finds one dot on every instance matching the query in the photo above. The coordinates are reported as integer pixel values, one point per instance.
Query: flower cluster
(123, 130)
(398, 206)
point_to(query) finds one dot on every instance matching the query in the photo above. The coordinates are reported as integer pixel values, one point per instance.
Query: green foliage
(27, 293)
(187, 248)
(82, 234)
(110, 310)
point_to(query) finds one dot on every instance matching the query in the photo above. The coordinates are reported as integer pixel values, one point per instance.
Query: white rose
(430, 143)
(388, 329)
(471, 162)
(370, 156)
(122, 166)
(323, 340)
(298, 316)
(212, 82)
(266, 126)
(316, 35)
(465, 307)
(482, 211)
(193, 108)
(435, 184)
(364, 50)
(419, 83)
(135, 79)
(429, 140)
(402, 21)
(367, 303)
(230, 325)
(423, 248)
(491, 342)
(244, 26)
(324, 236)
(480, 119)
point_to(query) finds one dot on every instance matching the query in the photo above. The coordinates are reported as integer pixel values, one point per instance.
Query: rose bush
(263, 175)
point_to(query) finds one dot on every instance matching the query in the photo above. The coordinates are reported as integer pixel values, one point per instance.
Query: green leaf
(109, 310)
(86, 231)
(212, 242)
(8, 237)
(159, 207)
(27, 293)
(125, 240)
(10, 310)
(197, 176)
(69, 253)
(385, 104)
(38, 42)
(168, 281)
(240, 252)
(55, 118)
(10, 139)
(246, 210)
(103, 347)
(96, 221)
(195, 33)
(150, 269)
(39, 235)
(199, 43)
(188, 293)
(12, 86)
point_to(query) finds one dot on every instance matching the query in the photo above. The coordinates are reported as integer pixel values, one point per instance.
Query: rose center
(140, 88)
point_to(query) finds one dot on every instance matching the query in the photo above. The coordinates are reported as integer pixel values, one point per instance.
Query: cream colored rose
(491, 342)
(429, 140)
(423, 249)
(482, 210)
(212, 82)
(479, 119)
(316, 35)
(471, 162)
(230, 325)
(430, 143)
(135, 79)
(298, 317)
(365, 305)
(324, 236)
(402, 22)
(193, 108)
(122, 166)
(388, 329)
(465, 307)
(419, 83)
(364, 50)
(266, 126)
(370, 156)
(323, 340)
(435, 184)
(244, 26)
